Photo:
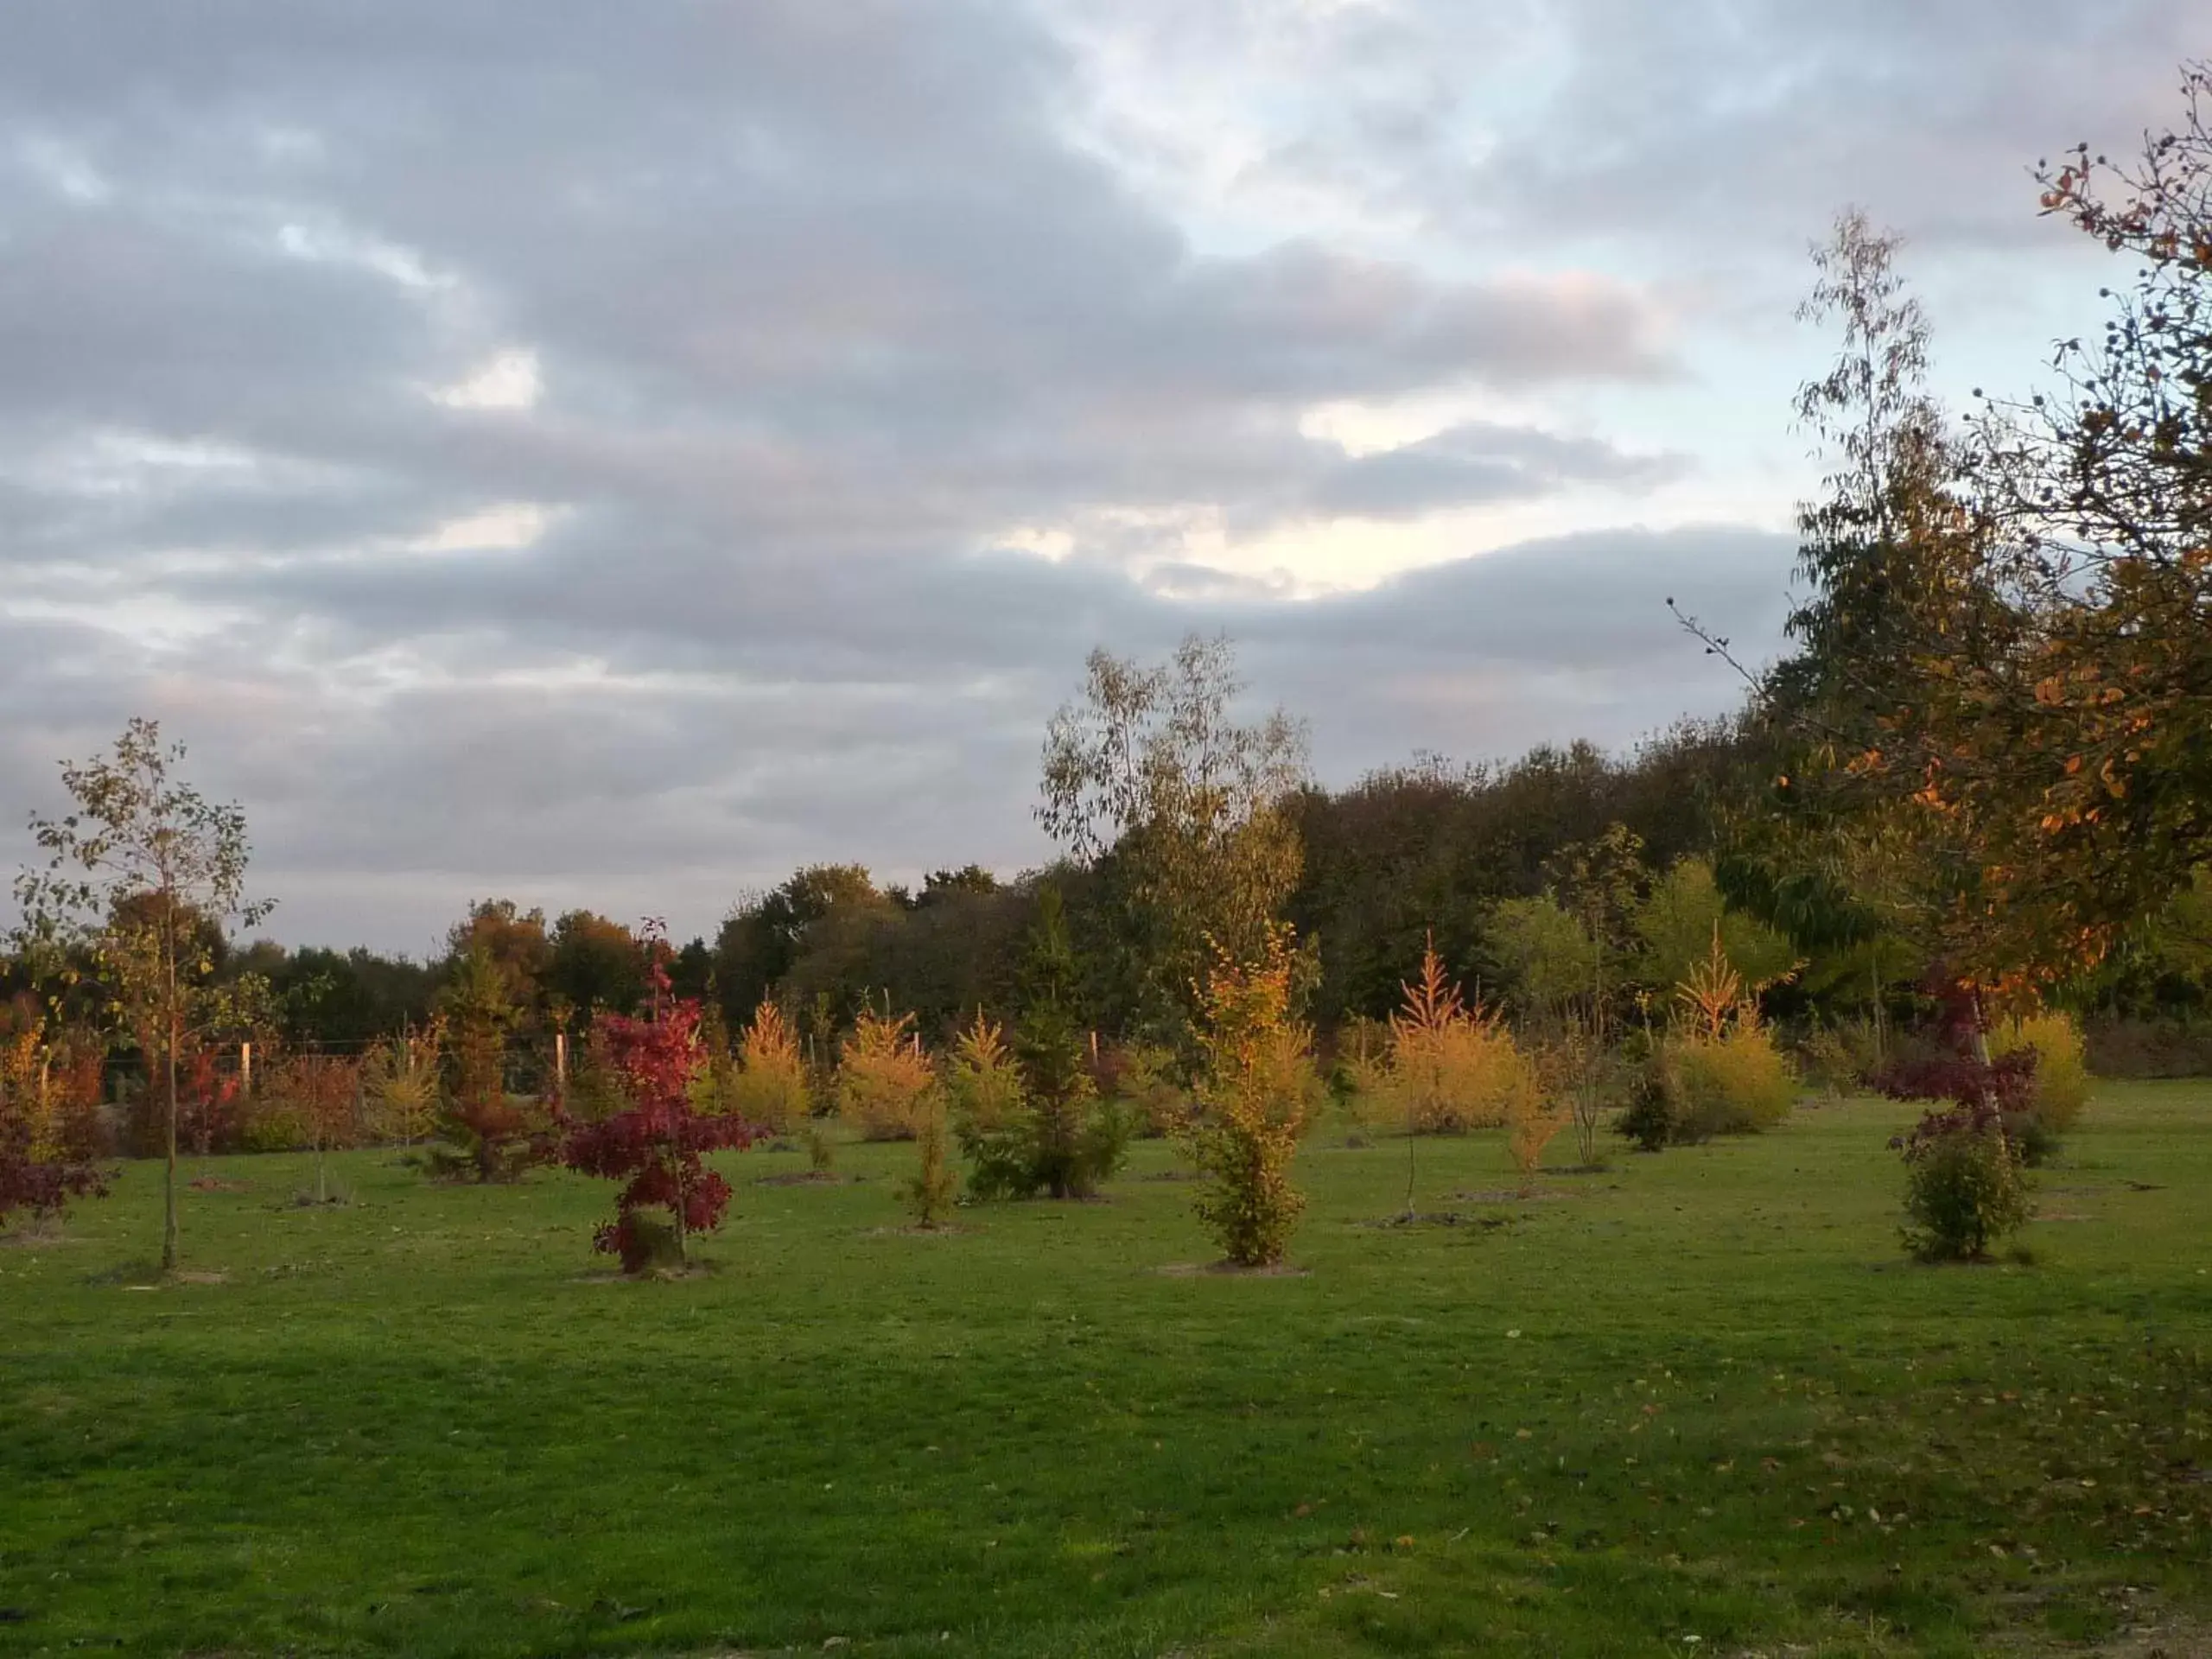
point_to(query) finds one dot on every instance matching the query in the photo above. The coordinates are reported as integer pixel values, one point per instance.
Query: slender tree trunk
(683, 1245)
(168, 1174)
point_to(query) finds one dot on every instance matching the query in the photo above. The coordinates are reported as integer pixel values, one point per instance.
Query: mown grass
(1701, 1396)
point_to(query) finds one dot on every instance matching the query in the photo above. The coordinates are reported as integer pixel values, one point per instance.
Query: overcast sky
(612, 455)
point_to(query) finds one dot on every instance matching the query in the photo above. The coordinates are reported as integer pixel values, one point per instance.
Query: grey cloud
(826, 305)
(1480, 462)
(673, 791)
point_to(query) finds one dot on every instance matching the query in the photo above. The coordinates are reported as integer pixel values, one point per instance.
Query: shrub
(1721, 1069)
(1737, 1083)
(484, 1133)
(1585, 1077)
(1828, 1061)
(1453, 1068)
(772, 1085)
(1255, 1094)
(2061, 1074)
(1360, 1080)
(1144, 1076)
(884, 1079)
(820, 1146)
(2005, 1085)
(1964, 1186)
(271, 1124)
(40, 1170)
(402, 1080)
(991, 1111)
(1534, 1124)
(1034, 1121)
(322, 1093)
(930, 1193)
(77, 1082)
(1649, 1120)
(658, 1139)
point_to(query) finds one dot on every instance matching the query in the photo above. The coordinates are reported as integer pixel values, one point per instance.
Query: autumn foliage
(884, 1081)
(655, 1143)
(43, 1160)
(1255, 1092)
(1455, 1067)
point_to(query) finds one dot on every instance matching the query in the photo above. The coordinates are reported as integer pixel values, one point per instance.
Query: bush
(1534, 1124)
(2005, 1086)
(402, 1079)
(1736, 1082)
(272, 1126)
(1453, 1068)
(1721, 1069)
(884, 1079)
(930, 1193)
(1360, 1079)
(1144, 1076)
(990, 1112)
(1032, 1119)
(2062, 1074)
(1255, 1097)
(1586, 1078)
(1964, 1185)
(1649, 1119)
(655, 1143)
(771, 1085)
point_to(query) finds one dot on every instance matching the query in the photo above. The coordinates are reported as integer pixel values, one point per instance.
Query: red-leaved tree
(656, 1139)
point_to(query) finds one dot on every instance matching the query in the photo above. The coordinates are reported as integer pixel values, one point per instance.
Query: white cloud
(509, 380)
(510, 527)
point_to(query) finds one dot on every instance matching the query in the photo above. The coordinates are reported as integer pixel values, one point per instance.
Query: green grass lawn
(1698, 1404)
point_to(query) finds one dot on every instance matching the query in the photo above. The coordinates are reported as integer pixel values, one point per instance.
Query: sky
(610, 456)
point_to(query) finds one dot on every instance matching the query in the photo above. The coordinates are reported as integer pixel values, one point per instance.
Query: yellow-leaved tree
(771, 1072)
(884, 1081)
(402, 1079)
(1256, 1091)
(1454, 1067)
(1720, 1068)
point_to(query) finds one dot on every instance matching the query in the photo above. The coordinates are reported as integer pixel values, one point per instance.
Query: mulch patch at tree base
(802, 1178)
(32, 1239)
(1514, 1195)
(1230, 1270)
(1440, 1218)
(217, 1184)
(914, 1229)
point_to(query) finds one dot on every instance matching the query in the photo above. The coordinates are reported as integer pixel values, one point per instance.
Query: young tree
(146, 867)
(402, 1079)
(1050, 1132)
(486, 1136)
(656, 1142)
(932, 1189)
(1256, 1093)
(1151, 774)
(884, 1081)
(771, 1084)
(325, 1089)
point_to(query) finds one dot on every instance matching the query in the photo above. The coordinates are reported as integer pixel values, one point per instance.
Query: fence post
(246, 1068)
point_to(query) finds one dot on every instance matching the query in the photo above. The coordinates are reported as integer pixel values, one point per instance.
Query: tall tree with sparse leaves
(144, 867)
(1153, 773)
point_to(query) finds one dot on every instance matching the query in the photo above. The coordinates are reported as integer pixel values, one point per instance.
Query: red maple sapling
(657, 1139)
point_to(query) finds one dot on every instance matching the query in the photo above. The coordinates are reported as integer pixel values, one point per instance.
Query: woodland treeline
(1431, 848)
